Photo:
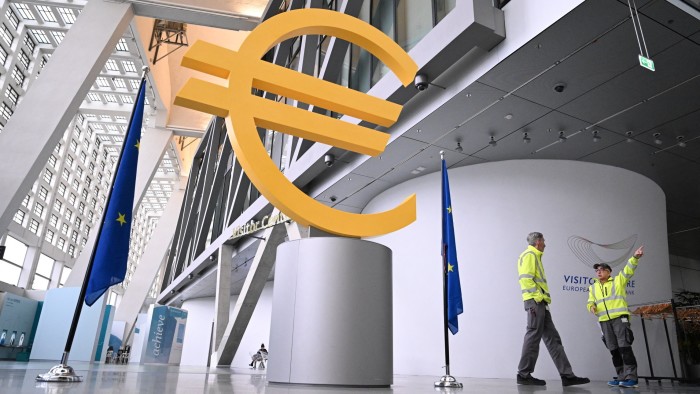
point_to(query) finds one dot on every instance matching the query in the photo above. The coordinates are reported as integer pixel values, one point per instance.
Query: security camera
(421, 82)
(334, 198)
(559, 87)
(329, 159)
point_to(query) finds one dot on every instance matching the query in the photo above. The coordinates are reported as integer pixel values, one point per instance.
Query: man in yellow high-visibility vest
(607, 299)
(533, 284)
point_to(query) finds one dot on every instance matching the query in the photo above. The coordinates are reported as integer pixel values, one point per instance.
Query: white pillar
(56, 274)
(151, 260)
(153, 144)
(26, 277)
(28, 140)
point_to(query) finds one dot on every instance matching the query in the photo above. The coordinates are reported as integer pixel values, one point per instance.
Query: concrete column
(153, 255)
(58, 92)
(26, 277)
(223, 293)
(56, 274)
(153, 144)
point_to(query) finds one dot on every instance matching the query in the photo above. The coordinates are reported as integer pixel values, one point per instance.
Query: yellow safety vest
(533, 282)
(610, 298)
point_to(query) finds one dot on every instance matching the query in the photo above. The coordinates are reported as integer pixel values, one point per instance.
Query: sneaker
(614, 383)
(629, 383)
(530, 381)
(573, 380)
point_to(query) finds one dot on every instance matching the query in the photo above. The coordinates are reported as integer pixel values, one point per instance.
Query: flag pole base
(448, 382)
(59, 373)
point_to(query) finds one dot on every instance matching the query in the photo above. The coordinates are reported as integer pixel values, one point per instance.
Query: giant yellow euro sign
(244, 111)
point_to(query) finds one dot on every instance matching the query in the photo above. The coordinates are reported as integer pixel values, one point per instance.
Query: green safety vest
(610, 297)
(533, 282)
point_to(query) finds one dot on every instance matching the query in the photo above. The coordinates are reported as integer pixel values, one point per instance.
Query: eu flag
(449, 256)
(112, 249)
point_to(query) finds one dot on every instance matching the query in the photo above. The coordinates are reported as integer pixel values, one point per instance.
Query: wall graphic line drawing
(582, 248)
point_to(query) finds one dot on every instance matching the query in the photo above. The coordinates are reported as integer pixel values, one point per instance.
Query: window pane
(9, 273)
(64, 275)
(40, 283)
(414, 20)
(15, 251)
(44, 266)
(443, 7)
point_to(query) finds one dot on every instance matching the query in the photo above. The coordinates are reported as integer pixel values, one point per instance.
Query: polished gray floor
(16, 377)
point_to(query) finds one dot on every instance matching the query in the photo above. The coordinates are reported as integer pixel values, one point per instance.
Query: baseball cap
(602, 265)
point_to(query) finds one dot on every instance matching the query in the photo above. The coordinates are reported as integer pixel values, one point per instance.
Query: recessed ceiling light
(681, 142)
(508, 116)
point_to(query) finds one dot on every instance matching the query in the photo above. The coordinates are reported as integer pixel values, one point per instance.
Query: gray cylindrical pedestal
(332, 313)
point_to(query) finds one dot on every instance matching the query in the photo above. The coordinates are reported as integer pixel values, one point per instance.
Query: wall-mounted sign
(245, 112)
(253, 226)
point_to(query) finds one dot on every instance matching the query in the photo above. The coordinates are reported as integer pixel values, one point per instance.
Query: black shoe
(573, 380)
(530, 381)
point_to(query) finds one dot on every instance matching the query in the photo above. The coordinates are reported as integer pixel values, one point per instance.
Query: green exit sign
(646, 63)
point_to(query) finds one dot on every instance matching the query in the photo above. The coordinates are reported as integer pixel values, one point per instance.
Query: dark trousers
(541, 327)
(618, 338)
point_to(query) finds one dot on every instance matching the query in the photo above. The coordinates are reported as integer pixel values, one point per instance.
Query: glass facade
(67, 199)
(406, 22)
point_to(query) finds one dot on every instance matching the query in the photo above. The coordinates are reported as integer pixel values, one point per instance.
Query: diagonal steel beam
(250, 294)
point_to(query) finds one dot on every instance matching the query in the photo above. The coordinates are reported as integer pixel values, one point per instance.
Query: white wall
(200, 316)
(495, 206)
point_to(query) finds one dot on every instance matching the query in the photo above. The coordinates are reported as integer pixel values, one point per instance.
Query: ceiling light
(492, 142)
(657, 140)
(596, 137)
(562, 138)
(459, 147)
(418, 170)
(508, 116)
(526, 139)
(629, 136)
(681, 143)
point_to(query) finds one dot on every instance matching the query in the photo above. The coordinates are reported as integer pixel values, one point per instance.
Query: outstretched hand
(639, 252)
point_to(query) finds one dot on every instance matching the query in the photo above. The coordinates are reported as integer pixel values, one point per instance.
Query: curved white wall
(495, 206)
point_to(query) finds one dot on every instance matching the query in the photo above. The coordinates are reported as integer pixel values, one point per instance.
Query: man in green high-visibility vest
(540, 326)
(607, 299)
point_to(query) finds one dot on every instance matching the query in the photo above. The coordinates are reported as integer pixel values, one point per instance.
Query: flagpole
(63, 372)
(447, 380)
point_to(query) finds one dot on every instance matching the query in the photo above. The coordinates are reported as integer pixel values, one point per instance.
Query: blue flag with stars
(449, 257)
(112, 249)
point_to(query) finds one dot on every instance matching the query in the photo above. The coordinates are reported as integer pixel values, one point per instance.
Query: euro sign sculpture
(243, 111)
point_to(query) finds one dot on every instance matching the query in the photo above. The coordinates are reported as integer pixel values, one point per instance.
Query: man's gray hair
(533, 237)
